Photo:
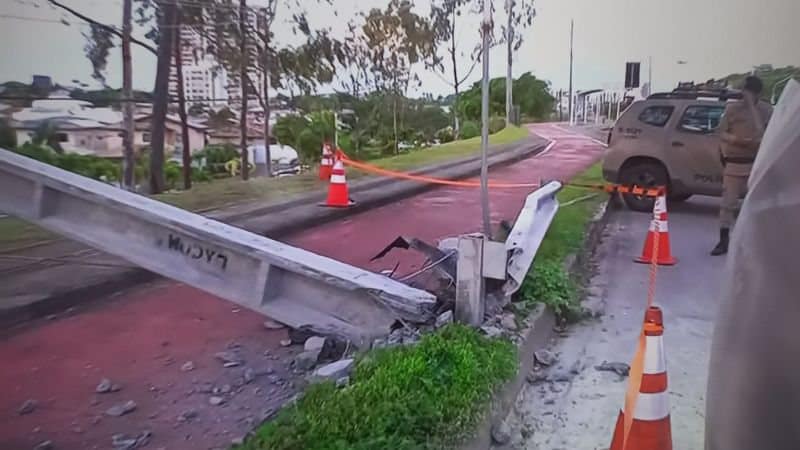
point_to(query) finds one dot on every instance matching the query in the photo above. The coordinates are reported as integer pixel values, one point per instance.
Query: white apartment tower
(204, 80)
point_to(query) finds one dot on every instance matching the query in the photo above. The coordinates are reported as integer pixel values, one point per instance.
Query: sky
(713, 37)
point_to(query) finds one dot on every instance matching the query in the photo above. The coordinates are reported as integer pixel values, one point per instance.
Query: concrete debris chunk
(187, 416)
(509, 322)
(501, 433)
(249, 375)
(620, 368)
(28, 406)
(273, 325)
(306, 361)
(45, 445)
(105, 385)
(314, 344)
(334, 370)
(444, 319)
(215, 401)
(545, 357)
(188, 366)
(286, 342)
(491, 331)
(121, 441)
(228, 357)
(121, 409)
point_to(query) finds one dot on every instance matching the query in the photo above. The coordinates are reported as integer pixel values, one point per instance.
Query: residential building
(204, 80)
(86, 130)
(230, 135)
(173, 143)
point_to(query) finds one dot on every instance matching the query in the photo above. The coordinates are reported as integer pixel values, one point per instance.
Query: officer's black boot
(722, 246)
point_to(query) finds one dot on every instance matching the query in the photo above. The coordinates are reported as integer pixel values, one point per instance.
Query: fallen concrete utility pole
(293, 286)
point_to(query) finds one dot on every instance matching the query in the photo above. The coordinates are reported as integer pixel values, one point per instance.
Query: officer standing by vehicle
(741, 129)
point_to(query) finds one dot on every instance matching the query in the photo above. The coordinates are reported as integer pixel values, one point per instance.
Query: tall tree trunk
(509, 77)
(456, 124)
(186, 152)
(243, 86)
(128, 161)
(267, 111)
(161, 97)
(394, 124)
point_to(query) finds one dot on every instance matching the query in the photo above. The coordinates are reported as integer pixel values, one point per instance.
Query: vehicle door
(695, 142)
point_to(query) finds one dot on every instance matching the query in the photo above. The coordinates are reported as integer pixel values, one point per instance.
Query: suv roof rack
(694, 92)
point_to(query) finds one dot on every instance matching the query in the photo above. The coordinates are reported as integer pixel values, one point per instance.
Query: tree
(532, 94)
(520, 14)
(270, 64)
(396, 39)
(186, 155)
(166, 28)
(128, 162)
(47, 134)
(8, 139)
(243, 54)
(100, 40)
(444, 16)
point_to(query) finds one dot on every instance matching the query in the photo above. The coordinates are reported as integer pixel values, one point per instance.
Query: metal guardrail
(293, 286)
(528, 232)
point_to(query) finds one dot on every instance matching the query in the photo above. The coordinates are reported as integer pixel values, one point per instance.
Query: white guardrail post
(526, 236)
(293, 286)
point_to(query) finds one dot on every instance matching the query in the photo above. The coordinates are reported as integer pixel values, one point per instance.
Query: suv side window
(657, 116)
(701, 118)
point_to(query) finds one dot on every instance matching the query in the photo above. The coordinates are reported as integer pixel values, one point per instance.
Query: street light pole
(487, 28)
(571, 34)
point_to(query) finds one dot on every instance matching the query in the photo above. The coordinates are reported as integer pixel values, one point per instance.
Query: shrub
(172, 174)
(309, 146)
(445, 135)
(469, 130)
(215, 157)
(496, 124)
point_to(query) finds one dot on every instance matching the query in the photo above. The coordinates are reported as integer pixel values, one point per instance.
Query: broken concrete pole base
(333, 371)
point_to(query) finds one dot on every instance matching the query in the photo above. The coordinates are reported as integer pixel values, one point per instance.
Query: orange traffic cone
(326, 163)
(651, 428)
(658, 225)
(338, 195)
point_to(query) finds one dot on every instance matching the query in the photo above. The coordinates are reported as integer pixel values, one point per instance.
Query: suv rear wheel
(644, 174)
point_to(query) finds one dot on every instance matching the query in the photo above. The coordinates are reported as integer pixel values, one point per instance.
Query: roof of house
(173, 119)
(233, 132)
(67, 123)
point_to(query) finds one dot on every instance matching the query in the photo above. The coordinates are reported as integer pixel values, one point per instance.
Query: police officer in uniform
(741, 130)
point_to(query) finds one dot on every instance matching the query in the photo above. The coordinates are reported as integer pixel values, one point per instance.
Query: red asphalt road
(141, 338)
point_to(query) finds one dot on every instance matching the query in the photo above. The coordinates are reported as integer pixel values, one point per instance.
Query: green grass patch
(427, 396)
(449, 151)
(547, 281)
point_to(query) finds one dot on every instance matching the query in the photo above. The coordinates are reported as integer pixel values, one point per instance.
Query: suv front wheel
(643, 174)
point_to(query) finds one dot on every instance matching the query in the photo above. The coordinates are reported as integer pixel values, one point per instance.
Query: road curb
(299, 213)
(537, 335)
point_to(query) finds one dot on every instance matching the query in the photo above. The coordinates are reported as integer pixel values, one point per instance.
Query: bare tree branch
(108, 28)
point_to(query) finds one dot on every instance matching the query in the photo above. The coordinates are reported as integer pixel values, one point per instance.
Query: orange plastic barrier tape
(610, 188)
(422, 178)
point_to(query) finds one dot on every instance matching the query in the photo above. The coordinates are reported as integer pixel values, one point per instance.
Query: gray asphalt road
(578, 411)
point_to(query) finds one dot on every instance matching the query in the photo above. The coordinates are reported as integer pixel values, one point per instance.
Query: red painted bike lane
(143, 338)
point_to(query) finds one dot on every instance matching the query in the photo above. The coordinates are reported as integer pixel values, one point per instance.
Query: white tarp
(753, 399)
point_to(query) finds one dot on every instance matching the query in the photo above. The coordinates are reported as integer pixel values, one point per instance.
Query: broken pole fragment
(470, 287)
